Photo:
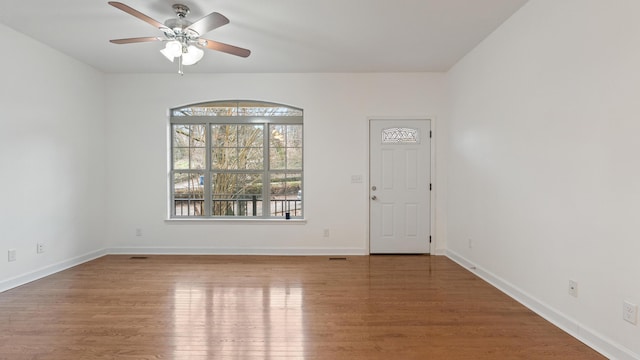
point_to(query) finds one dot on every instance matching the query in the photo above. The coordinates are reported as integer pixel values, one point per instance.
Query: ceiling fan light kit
(182, 36)
(172, 50)
(192, 55)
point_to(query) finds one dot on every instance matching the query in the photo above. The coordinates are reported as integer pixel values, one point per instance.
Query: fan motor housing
(181, 10)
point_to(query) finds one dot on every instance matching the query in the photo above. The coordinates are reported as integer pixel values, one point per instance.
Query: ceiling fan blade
(131, 11)
(226, 48)
(135, 40)
(208, 23)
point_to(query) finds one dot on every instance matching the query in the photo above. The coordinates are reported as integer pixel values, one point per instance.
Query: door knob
(374, 197)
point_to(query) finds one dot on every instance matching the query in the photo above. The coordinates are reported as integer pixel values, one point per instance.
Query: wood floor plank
(252, 307)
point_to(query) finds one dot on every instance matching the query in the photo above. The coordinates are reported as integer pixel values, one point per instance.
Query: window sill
(235, 221)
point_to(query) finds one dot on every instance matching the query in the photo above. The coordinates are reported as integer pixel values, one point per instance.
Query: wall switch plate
(630, 312)
(11, 255)
(573, 288)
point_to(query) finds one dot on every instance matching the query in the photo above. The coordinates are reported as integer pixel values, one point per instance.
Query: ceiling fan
(182, 36)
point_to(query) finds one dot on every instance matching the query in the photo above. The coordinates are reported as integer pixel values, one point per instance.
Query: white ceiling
(284, 35)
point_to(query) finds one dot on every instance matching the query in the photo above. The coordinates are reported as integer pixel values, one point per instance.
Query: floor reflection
(238, 322)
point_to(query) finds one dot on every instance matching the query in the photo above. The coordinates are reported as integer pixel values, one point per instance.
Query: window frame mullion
(266, 179)
(207, 172)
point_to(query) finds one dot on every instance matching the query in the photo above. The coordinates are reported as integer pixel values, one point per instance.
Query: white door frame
(432, 193)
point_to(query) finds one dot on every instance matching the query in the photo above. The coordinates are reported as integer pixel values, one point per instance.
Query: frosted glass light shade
(172, 50)
(192, 56)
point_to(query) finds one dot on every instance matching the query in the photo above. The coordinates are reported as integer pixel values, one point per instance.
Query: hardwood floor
(249, 307)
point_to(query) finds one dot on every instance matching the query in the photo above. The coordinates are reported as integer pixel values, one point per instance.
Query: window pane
(294, 136)
(188, 194)
(277, 136)
(189, 144)
(181, 135)
(237, 159)
(224, 136)
(277, 158)
(236, 194)
(286, 194)
(237, 147)
(250, 158)
(294, 158)
(198, 137)
(266, 109)
(285, 144)
(250, 135)
(237, 108)
(180, 158)
(277, 149)
(197, 158)
(224, 158)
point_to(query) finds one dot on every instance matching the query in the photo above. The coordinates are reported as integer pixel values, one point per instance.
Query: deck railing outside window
(238, 207)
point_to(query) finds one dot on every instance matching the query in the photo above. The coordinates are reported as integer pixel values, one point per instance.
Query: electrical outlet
(138, 232)
(11, 255)
(630, 312)
(39, 248)
(326, 233)
(573, 288)
(470, 244)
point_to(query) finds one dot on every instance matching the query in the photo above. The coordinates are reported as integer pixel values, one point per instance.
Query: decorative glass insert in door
(400, 136)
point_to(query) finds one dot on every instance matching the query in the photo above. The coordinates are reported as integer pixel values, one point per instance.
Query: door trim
(432, 193)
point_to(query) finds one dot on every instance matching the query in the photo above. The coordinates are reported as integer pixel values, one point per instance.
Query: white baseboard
(49, 270)
(226, 251)
(596, 341)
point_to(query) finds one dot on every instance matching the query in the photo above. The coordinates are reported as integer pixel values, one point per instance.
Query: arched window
(236, 159)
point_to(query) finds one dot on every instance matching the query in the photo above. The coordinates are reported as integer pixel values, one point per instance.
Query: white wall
(52, 147)
(336, 109)
(544, 175)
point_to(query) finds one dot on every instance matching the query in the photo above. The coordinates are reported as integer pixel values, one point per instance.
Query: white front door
(399, 186)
